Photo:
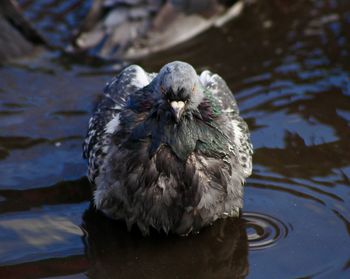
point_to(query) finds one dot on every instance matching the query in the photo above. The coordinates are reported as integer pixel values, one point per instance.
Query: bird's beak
(178, 108)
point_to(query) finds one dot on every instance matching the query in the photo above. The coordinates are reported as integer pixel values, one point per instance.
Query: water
(289, 66)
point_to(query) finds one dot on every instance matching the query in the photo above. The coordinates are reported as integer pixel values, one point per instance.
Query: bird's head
(179, 88)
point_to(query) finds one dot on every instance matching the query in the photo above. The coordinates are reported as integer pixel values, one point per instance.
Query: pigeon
(168, 151)
(131, 29)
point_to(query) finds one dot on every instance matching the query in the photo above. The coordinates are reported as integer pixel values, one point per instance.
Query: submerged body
(168, 150)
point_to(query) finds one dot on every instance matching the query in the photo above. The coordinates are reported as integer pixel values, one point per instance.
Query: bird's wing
(232, 124)
(106, 118)
(218, 87)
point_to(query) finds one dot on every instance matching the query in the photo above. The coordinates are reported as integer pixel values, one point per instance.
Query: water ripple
(264, 231)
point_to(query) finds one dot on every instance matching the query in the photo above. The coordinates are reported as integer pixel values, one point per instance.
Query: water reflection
(35, 235)
(65, 192)
(219, 251)
(288, 63)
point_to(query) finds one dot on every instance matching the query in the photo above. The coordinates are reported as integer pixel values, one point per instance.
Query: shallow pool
(288, 63)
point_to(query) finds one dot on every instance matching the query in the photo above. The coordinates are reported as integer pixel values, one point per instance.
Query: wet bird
(169, 150)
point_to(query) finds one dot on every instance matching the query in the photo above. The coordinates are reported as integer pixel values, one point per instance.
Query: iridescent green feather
(213, 102)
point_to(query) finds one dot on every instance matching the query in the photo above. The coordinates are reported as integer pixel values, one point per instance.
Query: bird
(168, 151)
(131, 29)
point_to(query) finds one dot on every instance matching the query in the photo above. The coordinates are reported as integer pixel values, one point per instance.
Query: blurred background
(288, 64)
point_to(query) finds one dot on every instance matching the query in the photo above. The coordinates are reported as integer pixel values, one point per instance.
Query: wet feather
(156, 171)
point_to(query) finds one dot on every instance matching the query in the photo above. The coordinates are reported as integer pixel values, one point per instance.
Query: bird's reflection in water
(218, 251)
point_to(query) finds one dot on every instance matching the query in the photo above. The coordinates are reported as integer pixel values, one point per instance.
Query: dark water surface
(288, 63)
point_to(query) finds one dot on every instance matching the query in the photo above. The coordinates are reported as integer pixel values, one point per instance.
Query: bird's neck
(208, 110)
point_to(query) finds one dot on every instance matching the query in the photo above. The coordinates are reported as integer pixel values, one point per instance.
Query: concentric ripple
(263, 231)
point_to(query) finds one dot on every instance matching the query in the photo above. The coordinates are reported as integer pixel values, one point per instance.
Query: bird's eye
(193, 88)
(162, 89)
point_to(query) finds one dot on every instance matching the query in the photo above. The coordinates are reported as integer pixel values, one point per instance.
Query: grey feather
(153, 170)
